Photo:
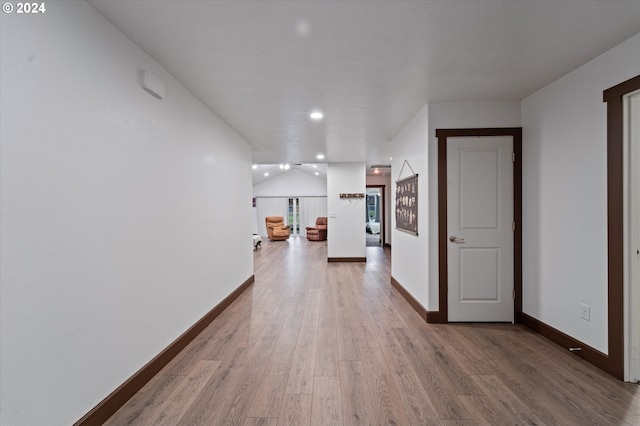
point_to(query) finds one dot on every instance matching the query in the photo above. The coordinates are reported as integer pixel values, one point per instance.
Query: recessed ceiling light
(302, 27)
(266, 174)
(315, 167)
(281, 166)
(316, 115)
(255, 166)
(286, 167)
(317, 174)
(320, 156)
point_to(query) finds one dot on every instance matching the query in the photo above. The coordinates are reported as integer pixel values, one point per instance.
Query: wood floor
(317, 343)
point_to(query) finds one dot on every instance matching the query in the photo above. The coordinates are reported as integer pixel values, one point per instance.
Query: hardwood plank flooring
(327, 401)
(318, 343)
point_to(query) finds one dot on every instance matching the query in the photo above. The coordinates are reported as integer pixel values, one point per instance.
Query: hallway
(316, 343)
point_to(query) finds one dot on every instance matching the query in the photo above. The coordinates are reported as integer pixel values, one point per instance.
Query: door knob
(455, 239)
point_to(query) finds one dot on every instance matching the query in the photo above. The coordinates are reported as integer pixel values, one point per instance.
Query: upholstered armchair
(318, 232)
(276, 229)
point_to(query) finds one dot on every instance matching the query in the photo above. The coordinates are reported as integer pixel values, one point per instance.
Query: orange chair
(318, 232)
(276, 229)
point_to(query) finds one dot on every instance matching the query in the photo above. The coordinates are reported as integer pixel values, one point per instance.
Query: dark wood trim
(616, 92)
(346, 259)
(588, 353)
(615, 236)
(615, 223)
(387, 245)
(384, 212)
(517, 236)
(432, 317)
(436, 317)
(443, 261)
(443, 275)
(112, 403)
(417, 306)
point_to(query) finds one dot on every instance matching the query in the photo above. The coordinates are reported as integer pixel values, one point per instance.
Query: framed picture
(407, 204)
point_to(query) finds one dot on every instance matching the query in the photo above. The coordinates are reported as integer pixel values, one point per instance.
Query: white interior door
(480, 228)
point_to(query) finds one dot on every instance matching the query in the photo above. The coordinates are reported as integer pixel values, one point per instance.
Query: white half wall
(457, 115)
(565, 196)
(119, 226)
(346, 227)
(410, 252)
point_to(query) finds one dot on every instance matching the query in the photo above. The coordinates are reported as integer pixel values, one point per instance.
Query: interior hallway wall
(345, 231)
(121, 214)
(565, 196)
(410, 253)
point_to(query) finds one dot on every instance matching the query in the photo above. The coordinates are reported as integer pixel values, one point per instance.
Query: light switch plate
(585, 312)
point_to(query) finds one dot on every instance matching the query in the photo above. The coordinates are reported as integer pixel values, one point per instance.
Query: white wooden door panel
(479, 221)
(478, 189)
(479, 275)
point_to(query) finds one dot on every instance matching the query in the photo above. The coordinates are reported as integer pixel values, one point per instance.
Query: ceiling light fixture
(316, 115)
(266, 174)
(286, 167)
(281, 166)
(255, 166)
(320, 156)
(302, 27)
(317, 174)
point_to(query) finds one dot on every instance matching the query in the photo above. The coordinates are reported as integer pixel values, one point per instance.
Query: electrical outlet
(585, 312)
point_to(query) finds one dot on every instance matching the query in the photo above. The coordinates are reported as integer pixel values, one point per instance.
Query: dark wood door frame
(615, 223)
(442, 315)
(384, 212)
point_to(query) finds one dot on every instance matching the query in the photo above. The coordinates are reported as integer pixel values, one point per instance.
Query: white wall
(565, 195)
(409, 255)
(457, 115)
(119, 228)
(345, 231)
(386, 181)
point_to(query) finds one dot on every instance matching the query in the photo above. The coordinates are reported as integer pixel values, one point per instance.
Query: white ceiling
(263, 66)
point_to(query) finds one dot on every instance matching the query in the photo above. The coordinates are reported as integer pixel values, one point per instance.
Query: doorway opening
(374, 216)
(616, 361)
(293, 211)
(442, 315)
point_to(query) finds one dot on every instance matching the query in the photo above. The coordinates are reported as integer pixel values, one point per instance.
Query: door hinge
(514, 294)
(513, 157)
(513, 225)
